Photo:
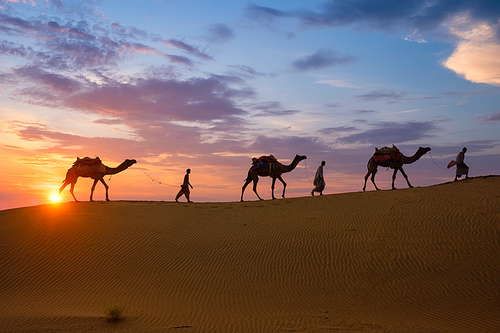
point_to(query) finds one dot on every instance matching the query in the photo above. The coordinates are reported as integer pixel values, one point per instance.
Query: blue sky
(211, 84)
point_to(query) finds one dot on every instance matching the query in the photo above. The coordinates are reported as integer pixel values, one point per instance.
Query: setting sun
(54, 198)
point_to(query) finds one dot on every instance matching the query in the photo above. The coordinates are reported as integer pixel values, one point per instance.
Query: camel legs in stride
(71, 189)
(373, 171)
(404, 175)
(272, 186)
(93, 188)
(255, 179)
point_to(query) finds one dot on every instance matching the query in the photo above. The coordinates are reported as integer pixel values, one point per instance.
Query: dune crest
(410, 260)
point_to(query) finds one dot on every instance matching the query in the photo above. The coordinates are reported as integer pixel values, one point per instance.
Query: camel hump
(87, 161)
(83, 167)
(386, 150)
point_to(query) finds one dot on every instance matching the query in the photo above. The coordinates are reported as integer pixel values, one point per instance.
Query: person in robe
(185, 187)
(462, 168)
(319, 180)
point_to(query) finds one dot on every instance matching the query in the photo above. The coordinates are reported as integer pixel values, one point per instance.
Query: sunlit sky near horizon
(208, 85)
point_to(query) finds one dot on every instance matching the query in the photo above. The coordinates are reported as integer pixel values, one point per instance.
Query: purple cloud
(382, 95)
(387, 15)
(493, 118)
(220, 33)
(321, 59)
(390, 132)
(336, 130)
(187, 48)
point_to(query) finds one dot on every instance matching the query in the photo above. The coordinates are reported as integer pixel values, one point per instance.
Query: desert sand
(425, 259)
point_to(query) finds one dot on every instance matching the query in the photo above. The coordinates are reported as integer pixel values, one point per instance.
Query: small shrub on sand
(114, 313)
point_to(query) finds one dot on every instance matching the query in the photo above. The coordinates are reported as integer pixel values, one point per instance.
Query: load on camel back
(84, 166)
(388, 155)
(264, 164)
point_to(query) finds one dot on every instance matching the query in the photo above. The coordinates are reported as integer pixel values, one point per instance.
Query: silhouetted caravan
(91, 168)
(268, 166)
(394, 159)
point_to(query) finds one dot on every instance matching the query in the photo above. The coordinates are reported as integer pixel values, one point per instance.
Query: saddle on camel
(85, 166)
(388, 155)
(264, 164)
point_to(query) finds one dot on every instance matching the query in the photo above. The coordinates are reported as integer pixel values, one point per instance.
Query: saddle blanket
(264, 163)
(85, 166)
(387, 158)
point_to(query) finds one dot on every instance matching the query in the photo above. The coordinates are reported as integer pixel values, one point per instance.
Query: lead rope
(435, 162)
(307, 174)
(154, 180)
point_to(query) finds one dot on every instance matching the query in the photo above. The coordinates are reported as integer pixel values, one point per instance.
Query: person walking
(319, 180)
(185, 187)
(462, 168)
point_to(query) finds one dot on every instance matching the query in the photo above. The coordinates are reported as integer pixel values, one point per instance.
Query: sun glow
(54, 198)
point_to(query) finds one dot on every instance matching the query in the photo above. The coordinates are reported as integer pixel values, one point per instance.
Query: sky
(207, 85)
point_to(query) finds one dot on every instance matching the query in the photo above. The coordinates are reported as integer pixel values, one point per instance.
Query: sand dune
(410, 260)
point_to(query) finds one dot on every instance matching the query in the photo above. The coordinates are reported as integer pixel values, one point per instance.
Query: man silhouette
(319, 180)
(185, 187)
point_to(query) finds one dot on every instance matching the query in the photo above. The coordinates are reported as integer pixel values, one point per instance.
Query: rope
(154, 180)
(307, 174)
(435, 162)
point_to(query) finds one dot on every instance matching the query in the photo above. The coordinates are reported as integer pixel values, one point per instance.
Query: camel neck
(291, 166)
(120, 168)
(414, 158)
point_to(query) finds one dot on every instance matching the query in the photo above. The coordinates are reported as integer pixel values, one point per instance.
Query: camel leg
(93, 188)
(284, 185)
(71, 190)
(373, 180)
(248, 181)
(372, 170)
(107, 187)
(63, 186)
(272, 188)
(406, 177)
(255, 181)
(394, 178)
(366, 178)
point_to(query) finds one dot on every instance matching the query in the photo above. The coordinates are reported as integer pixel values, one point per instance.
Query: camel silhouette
(97, 174)
(396, 165)
(253, 176)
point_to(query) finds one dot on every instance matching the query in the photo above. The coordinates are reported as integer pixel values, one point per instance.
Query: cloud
(187, 48)
(335, 130)
(476, 55)
(272, 109)
(391, 132)
(219, 33)
(337, 83)
(382, 95)
(322, 59)
(493, 118)
(387, 15)
(475, 24)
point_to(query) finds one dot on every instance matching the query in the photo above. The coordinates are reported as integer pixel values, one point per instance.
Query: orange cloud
(476, 56)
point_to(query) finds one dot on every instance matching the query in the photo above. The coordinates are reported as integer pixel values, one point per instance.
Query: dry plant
(114, 313)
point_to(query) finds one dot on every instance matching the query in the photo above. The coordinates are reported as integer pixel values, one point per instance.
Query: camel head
(300, 157)
(129, 162)
(424, 150)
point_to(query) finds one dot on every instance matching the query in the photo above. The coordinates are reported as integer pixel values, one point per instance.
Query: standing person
(319, 180)
(185, 187)
(462, 168)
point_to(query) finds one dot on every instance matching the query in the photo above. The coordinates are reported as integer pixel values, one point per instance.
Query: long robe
(462, 168)
(319, 180)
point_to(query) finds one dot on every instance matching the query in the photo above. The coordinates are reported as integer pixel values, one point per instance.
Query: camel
(253, 176)
(96, 174)
(396, 165)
